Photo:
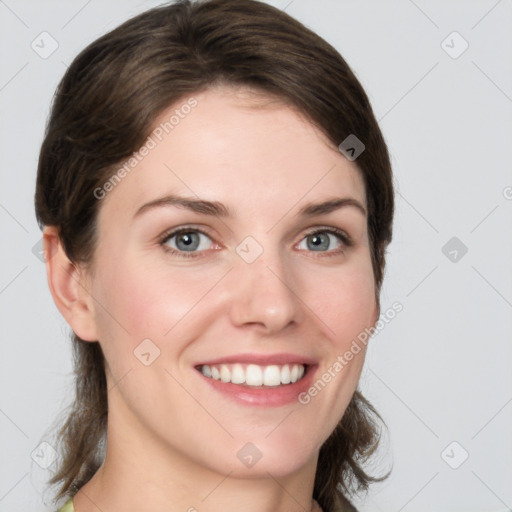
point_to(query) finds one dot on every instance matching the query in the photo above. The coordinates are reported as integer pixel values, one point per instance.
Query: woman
(216, 199)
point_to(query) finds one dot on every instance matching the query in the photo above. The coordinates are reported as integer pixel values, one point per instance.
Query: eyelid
(172, 232)
(169, 233)
(344, 237)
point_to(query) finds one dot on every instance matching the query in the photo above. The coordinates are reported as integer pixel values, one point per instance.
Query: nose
(265, 293)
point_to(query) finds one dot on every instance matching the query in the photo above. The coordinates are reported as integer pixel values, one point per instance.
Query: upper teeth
(253, 374)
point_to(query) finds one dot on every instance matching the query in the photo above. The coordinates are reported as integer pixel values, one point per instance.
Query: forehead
(238, 146)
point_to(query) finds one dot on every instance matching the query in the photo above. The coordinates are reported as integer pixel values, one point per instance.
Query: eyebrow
(217, 209)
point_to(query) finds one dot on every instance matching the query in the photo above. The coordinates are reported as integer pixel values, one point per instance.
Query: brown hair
(104, 109)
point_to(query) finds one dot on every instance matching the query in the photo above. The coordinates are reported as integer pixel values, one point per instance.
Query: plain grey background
(439, 76)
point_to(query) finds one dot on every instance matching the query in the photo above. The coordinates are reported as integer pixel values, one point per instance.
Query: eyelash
(165, 237)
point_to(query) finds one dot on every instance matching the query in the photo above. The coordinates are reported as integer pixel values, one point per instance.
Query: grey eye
(187, 241)
(321, 241)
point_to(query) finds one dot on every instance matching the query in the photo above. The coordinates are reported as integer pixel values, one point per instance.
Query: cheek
(132, 296)
(343, 300)
(143, 301)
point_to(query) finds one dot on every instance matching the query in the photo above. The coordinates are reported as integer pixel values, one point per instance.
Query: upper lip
(260, 359)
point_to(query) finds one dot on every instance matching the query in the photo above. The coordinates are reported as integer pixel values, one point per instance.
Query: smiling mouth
(253, 375)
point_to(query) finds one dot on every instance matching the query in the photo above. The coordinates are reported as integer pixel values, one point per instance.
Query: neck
(140, 473)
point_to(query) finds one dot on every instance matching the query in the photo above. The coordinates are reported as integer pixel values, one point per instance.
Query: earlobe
(67, 287)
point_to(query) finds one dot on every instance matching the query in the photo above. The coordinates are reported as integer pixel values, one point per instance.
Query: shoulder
(67, 507)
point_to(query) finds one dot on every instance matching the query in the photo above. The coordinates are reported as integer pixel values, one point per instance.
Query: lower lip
(268, 397)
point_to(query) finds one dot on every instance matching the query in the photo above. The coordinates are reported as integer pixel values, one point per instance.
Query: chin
(259, 458)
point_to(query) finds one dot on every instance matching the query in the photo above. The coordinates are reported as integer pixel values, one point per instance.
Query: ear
(68, 286)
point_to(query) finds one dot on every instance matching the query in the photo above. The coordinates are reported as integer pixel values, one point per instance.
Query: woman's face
(256, 286)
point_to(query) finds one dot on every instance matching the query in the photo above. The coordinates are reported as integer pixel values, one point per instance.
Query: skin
(172, 440)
